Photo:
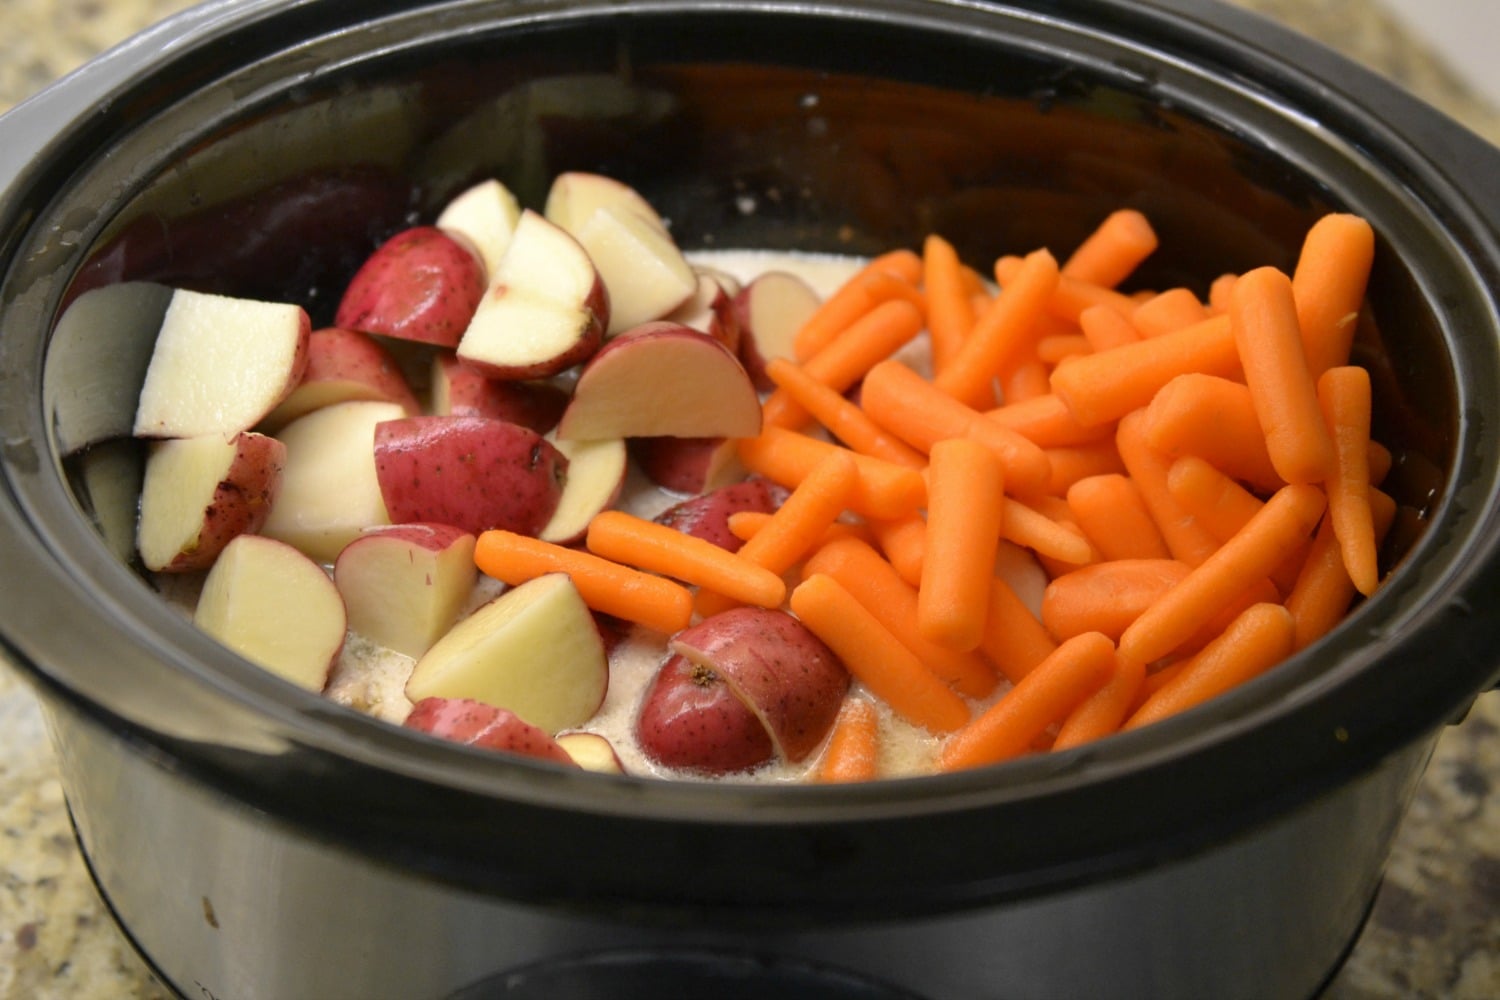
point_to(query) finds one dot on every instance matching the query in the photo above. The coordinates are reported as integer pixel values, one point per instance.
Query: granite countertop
(1435, 930)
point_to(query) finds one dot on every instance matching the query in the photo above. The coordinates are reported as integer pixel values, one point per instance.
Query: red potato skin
(691, 720)
(470, 472)
(241, 502)
(792, 680)
(710, 310)
(336, 355)
(593, 319)
(683, 465)
(470, 393)
(707, 516)
(420, 285)
(464, 720)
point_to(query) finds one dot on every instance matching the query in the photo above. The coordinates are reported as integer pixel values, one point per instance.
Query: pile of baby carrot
(1196, 477)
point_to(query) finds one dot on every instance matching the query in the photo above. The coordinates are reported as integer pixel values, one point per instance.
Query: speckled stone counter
(1435, 930)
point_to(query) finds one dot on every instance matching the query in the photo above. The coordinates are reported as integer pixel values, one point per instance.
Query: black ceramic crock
(256, 841)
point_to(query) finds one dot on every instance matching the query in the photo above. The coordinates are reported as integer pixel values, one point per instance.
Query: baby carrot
(874, 583)
(1056, 346)
(844, 420)
(950, 311)
(1323, 589)
(1168, 311)
(1080, 461)
(873, 337)
(965, 502)
(999, 332)
(1328, 284)
(1257, 640)
(796, 526)
(1108, 596)
(921, 414)
(1014, 639)
(1061, 682)
(746, 524)
(1344, 395)
(1211, 498)
(1219, 291)
(903, 542)
(853, 750)
(1284, 522)
(1112, 514)
(876, 657)
(1213, 418)
(1026, 377)
(1072, 296)
(1105, 327)
(605, 586)
(1113, 250)
(1046, 421)
(885, 490)
(1103, 712)
(1263, 316)
(1186, 539)
(1032, 529)
(889, 276)
(1107, 385)
(625, 538)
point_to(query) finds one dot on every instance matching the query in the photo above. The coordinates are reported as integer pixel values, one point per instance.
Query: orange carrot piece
(1186, 539)
(652, 601)
(1328, 283)
(885, 490)
(853, 749)
(1104, 711)
(1072, 297)
(1344, 395)
(1105, 327)
(1283, 523)
(746, 524)
(1219, 292)
(950, 310)
(999, 332)
(876, 657)
(1060, 683)
(1323, 590)
(1113, 250)
(1168, 311)
(843, 419)
(1213, 418)
(873, 337)
(921, 414)
(965, 507)
(634, 541)
(796, 526)
(1030, 528)
(1214, 500)
(1112, 514)
(887, 277)
(1108, 596)
(874, 583)
(1257, 640)
(1046, 421)
(1027, 377)
(1015, 640)
(1263, 315)
(1380, 462)
(1056, 346)
(903, 541)
(1080, 461)
(1105, 386)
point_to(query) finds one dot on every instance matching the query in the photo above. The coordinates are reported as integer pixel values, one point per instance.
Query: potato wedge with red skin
(707, 516)
(471, 472)
(791, 680)
(768, 312)
(464, 720)
(691, 720)
(200, 492)
(461, 391)
(404, 585)
(421, 284)
(688, 465)
(710, 310)
(343, 365)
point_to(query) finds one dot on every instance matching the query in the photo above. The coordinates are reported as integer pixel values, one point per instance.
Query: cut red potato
(575, 195)
(688, 465)
(329, 489)
(646, 274)
(591, 752)
(458, 390)
(709, 310)
(343, 365)
(707, 516)
(406, 584)
(470, 472)
(486, 216)
(534, 650)
(545, 310)
(275, 607)
(596, 477)
(768, 312)
(198, 493)
(220, 364)
(692, 720)
(421, 284)
(790, 679)
(463, 720)
(663, 380)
